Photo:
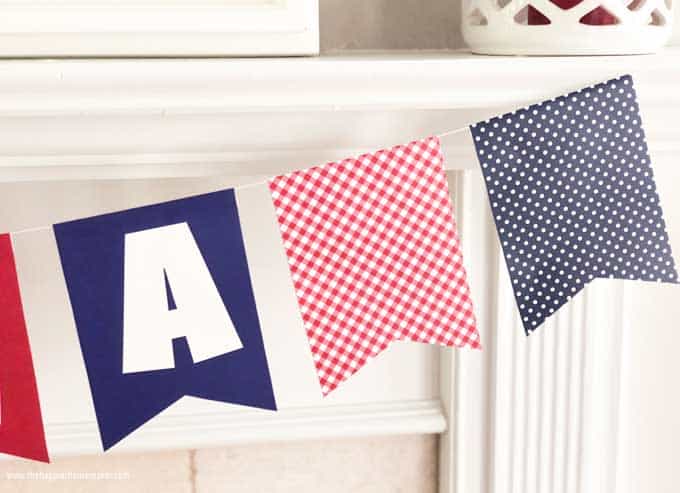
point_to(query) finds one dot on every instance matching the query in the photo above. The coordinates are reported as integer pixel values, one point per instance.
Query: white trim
(141, 118)
(444, 80)
(447, 450)
(243, 166)
(249, 426)
(602, 366)
(472, 399)
(624, 416)
(178, 28)
(540, 413)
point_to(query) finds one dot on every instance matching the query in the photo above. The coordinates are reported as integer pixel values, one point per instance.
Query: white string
(252, 184)
(452, 132)
(30, 230)
(263, 182)
(440, 136)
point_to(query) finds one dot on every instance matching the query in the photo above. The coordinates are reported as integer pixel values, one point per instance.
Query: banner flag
(21, 426)
(573, 196)
(374, 256)
(164, 308)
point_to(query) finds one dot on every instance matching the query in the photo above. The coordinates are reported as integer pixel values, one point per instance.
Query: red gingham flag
(374, 256)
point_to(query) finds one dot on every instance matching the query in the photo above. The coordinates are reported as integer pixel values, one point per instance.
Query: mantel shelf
(405, 80)
(248, 118)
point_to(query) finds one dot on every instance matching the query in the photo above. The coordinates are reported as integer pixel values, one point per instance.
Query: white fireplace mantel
(357, 81)
(250, 117)
(506, 426)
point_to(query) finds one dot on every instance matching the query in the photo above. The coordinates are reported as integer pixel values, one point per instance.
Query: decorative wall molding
(243, 166)
(80, 119)
(247, 426)
(544, 412)
(38, 28)
(359, 81)
(465, 449)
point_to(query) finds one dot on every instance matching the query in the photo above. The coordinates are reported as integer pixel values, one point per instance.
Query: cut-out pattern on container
(567, 27)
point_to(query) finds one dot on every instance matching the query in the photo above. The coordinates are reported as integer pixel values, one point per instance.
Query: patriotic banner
(374, 255)
(21, 425)
(177, 299)
(163, 304)
(572, 192)
(274, 294)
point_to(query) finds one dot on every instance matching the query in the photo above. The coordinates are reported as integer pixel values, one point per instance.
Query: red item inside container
(597, 17)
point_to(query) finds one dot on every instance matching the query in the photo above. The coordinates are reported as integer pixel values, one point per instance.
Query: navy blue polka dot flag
(573, 196)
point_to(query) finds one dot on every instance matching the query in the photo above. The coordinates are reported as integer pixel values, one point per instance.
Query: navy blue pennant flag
(164, 308)
(573, 196)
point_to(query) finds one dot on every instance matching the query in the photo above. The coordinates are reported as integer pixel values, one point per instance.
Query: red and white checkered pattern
(374, 256)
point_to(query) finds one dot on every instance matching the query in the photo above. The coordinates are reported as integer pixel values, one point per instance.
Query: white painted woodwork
(108, 28)
(557, 411)
(511, 428)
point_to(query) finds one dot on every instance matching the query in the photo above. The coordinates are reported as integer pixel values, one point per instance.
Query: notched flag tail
(21, 426)
(164, 308)
(573, 196)
(374, 256)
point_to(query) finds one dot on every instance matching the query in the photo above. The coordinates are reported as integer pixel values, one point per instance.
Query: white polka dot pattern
(573, 196)
(374, 256)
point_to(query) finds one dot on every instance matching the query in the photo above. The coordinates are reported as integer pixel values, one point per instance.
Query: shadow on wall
(390, 24)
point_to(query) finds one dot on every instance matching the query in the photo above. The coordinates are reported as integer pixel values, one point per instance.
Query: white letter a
(149, 324)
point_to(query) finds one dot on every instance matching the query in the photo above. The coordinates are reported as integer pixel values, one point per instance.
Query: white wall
(390, 24)
(655, 400)
(654, 342)
(395, 24)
